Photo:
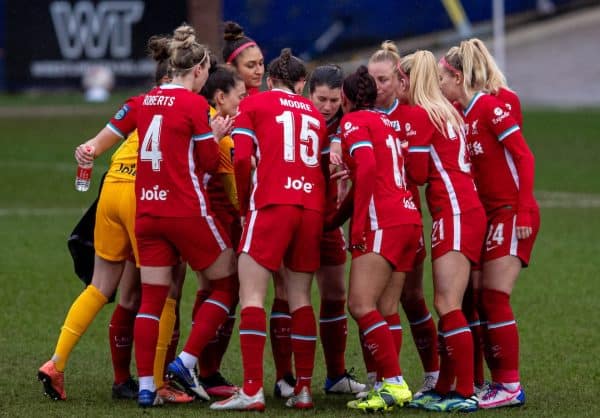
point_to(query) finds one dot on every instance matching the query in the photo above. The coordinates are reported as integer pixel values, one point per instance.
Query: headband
(449, 67)
(206, 54)
(239, 50)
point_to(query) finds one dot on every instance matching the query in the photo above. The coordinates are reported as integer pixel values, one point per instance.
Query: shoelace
(492, 391)
(429, 382)
(350, 374)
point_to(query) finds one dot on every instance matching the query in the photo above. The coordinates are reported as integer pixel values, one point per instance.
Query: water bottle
(84, 173)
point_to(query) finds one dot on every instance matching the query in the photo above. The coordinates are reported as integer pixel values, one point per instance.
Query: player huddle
(245, 186)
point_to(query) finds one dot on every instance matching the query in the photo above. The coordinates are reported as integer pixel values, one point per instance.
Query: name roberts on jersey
(159, 100)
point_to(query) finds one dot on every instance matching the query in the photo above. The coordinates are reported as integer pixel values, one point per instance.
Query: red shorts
(333, 248)
(161, 241)
(231, 223)
(421, 251)
(502, 239)
(397, 244)
(283, 233)
(463, 233)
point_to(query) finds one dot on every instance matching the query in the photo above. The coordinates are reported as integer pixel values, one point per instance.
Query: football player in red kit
(383, 66)
(438, 156)
(173, 218)
(244, 54)
(324, 87)
(495, 84)
(384, 232)
(283, 204)
(503, 167)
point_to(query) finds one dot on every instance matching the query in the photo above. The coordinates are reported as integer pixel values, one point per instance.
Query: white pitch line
(568, 200)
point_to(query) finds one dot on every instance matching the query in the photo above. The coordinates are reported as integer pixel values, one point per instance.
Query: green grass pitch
(556, 299)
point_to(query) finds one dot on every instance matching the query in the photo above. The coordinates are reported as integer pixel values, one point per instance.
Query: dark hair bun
(232, 31)
(362, 70)
(158, 47)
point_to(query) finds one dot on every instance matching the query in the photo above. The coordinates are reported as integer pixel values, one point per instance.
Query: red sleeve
(508, 132)
(206, 148)
(419, 145)
(364, 186)
(125, 120)
(243, 137)
(515, 110)
(525, 165)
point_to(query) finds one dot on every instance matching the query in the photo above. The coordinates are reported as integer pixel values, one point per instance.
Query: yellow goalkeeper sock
(165, 332)
(80, 316)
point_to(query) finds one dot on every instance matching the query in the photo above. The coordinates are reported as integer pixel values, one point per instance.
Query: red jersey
(380, 196)
(125, 120)
(512, 103)
(503, 165)
(285, 133)
(331, 197)
(396, 115)
(441, 161)
(176, 147)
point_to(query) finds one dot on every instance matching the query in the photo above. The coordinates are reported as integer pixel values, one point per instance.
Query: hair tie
(239, 50)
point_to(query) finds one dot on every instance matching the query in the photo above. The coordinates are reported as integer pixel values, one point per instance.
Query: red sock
(469, 307)
(146, 327)
(212, 355)
(424, 333)
(380, 343)
(120, 333)
(304, 343)
(503, 336)
(224, 335)
(172, 348)
(210, 316)
(370, 363)
(333, 329)
(281, 344)
(201, 296)
(486, 349)
(395, 326)
(459, 349)
(447, 376)
(253, 335)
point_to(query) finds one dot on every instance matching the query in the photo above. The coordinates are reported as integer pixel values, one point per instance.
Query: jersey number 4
(309, 138)
(150, 149)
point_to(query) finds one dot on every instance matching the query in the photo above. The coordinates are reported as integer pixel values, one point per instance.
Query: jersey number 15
(309, 138)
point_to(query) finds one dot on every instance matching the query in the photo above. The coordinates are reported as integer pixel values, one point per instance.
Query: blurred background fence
(50, 44)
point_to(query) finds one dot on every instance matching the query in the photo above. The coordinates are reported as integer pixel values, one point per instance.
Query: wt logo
(95, 29)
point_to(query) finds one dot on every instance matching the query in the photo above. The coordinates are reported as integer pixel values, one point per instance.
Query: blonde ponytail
(424, 91)
(495, 78)
(466, 59)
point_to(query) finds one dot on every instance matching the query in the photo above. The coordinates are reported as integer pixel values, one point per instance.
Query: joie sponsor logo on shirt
(155, 193)
(298, 184)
